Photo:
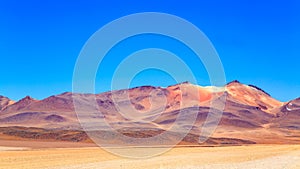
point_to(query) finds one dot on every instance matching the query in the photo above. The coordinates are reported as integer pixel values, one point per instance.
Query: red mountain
(250, 114)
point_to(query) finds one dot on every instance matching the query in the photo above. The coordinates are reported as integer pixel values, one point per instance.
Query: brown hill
(4, 102)
(250, 114)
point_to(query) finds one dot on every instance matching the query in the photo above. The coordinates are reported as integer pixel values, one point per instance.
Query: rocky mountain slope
(250, 115)
(4, 102)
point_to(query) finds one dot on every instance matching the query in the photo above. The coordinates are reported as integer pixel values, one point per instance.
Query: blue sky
(257, 42)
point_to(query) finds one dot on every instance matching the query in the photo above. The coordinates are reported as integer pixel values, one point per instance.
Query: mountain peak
(233, 82)
(252, 95)
(181, 83)
(185, 82)
(66, 94)
(27, 99)
(3, 97)
(259, 89)
(4, 102)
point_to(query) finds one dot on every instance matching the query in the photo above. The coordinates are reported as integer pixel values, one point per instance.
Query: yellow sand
(256, 156)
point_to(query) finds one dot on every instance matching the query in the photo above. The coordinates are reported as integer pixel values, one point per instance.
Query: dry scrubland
(253, 156)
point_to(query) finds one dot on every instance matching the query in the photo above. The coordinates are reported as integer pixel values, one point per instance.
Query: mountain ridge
(185, 82)
(248, 111)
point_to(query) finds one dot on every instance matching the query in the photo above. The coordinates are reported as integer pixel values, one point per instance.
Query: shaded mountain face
(292, 106)
(288, 116)
(19, 105)
(4, 102)
(248, 113)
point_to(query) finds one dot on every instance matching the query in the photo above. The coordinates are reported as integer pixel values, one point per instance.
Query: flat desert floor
(246, 157)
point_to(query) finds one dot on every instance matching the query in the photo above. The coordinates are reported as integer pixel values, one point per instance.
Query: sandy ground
(2, 148)
(42, 144)
(246, 157)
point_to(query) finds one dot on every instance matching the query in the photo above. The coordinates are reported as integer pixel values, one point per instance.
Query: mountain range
(249, 114)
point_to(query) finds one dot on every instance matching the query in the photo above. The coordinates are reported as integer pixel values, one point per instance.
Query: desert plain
(89, 156)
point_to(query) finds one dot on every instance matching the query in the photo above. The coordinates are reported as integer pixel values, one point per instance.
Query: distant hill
(250, 114)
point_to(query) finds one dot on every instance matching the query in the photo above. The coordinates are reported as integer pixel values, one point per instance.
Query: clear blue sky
(258, 42)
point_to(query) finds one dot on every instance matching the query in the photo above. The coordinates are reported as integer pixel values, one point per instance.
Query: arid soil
(252, 156)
